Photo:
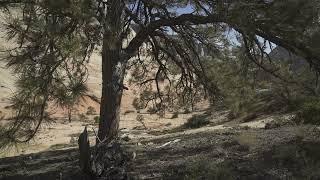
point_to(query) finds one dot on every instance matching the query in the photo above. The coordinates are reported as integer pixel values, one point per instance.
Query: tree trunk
(113, 71)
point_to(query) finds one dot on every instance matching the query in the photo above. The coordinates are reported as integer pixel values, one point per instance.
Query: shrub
(137, 104)
(96, 119)
(175, 115)
(296, 155)
(161, 113)
(309, 112)
(91, 111)
(140, 118)
(197, 121)
(82, 117)
(152, 110)
(186, 111)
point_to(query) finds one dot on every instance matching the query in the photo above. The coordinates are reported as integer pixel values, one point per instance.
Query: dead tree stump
(85, 154)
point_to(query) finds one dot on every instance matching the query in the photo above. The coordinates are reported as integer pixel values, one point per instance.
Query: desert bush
(140, 119)
(152, 110)
(161, 113)
(309, 112)
(91, 111)
(82, 117)
(175, 115)
(137, 104)
(96, 119)
(303, 158)
(186, 111)
(197, 121)
(47, 116)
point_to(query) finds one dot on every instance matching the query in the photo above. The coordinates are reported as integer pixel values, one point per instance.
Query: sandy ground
(63, 135)
(245, 153)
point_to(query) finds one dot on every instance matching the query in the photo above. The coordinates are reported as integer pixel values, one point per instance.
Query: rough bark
(113, 71)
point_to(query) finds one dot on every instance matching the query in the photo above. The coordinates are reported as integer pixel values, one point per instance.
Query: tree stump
(85, 154)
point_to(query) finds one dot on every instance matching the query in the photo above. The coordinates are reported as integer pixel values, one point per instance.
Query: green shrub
(309, 112)
(296, 155)
(197, 121)
(96, 119)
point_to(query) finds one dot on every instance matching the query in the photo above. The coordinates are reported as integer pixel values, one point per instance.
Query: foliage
(296, 155)
(96, 119)
(309, 111)
(140, 118)
(50, 65)
(175, 115)
(137, 104)
(82, 117)
(197, 121)
(56, 38)
(91, 110)
(186, 111)
(248, 89)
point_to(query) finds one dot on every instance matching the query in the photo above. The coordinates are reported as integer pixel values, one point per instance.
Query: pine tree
(56, 38)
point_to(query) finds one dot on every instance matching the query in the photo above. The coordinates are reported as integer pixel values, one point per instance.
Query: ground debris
(168, 143)
(105, 160)
(110, 160)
